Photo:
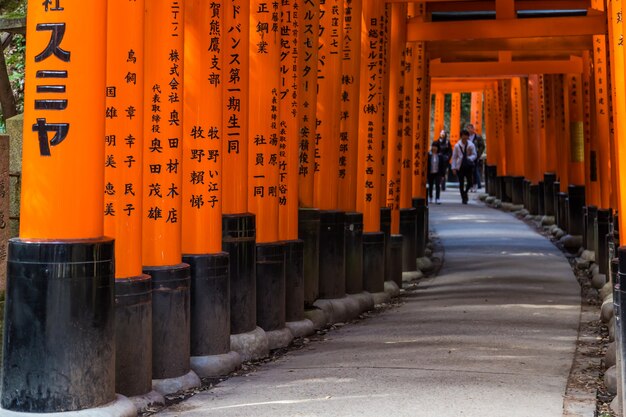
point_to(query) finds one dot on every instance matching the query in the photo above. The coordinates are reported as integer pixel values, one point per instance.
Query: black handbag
(466, 164)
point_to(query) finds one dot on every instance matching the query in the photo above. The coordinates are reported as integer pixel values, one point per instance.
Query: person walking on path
(479, 144)
(445, 150)
(463, 164)
(437, 165)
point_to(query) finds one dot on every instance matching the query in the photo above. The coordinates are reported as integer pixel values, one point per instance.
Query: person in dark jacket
(445, 149)
(437, 165)
(479, 144)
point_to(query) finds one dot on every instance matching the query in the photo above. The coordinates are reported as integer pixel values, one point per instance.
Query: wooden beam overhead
(507, 28)
(486, 5)
(443, 86)
(513, 68)
(561, 43)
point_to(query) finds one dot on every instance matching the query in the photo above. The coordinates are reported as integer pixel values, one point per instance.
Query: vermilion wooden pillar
(500, 106)
(455, 119)
(328, 106)
(370, 140)
(308, 45)
(309, 217)
(49, 331)
(561, 131)
(406, 186)
(395, 119)
(348, 148)
(616, 33)
(384, 49)
(592, 185)
(124, 141)
(288, 140)
(235, 106)
(491, 138)
(541, 121)
(533, 149)
(291, 22)
(550, 116)
(263, 167)
(349, 126)
(421, 115)
(162, 195)
(507, 123)
(476, 111)
(327, 140)
(519, 118)
(238, 224)
(601, 80)
(575, 101)
(203, 136)
(439, 114)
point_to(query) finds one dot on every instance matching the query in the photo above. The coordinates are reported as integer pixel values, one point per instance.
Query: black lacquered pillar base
(270, 285)
(499, 188)
(576, 203)
(133, 336)
(421, 235)
(517, 190)
(354, 253)
(562, 211)
(533, 199)
(309, 233)
(526, 193)
(619, 295)
(394, 269)
(591, 213)
(294, 280)
(210, 303)
(541, 201)
(556, 189)
(408, 230)
(59, 340)
(385, 227)
(549, 178)
(171, 320)
(601, 230)
(332, 259)
(374, 262)
(507, 191)
(239, 241)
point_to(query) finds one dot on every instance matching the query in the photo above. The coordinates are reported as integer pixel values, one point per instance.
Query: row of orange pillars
(203, 181)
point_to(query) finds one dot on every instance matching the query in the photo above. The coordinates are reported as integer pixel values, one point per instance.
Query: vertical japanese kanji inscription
(264, 117)
(64, 105)
(163, 147)
(123, 140)
(236, 81)
(370, 117)
(328, 106)
(349, 127)
(202, 128)
(288, 140)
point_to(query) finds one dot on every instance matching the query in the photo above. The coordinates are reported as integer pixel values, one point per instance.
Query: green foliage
(14, 56)
(12, 8)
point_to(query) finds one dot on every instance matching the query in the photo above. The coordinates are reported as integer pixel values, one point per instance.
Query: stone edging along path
(585, 394)
(434, 253)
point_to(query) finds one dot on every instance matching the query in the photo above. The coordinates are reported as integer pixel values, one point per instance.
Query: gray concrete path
(493, 335)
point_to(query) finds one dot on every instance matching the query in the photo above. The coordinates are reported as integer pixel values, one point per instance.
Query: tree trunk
(7, 99)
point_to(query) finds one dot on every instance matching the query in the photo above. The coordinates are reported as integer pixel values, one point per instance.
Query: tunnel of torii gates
(204, 180)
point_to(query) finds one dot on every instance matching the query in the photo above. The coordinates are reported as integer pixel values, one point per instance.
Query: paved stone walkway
(493, 335)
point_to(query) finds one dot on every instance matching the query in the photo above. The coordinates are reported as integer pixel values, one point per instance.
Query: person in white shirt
(463, 160)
